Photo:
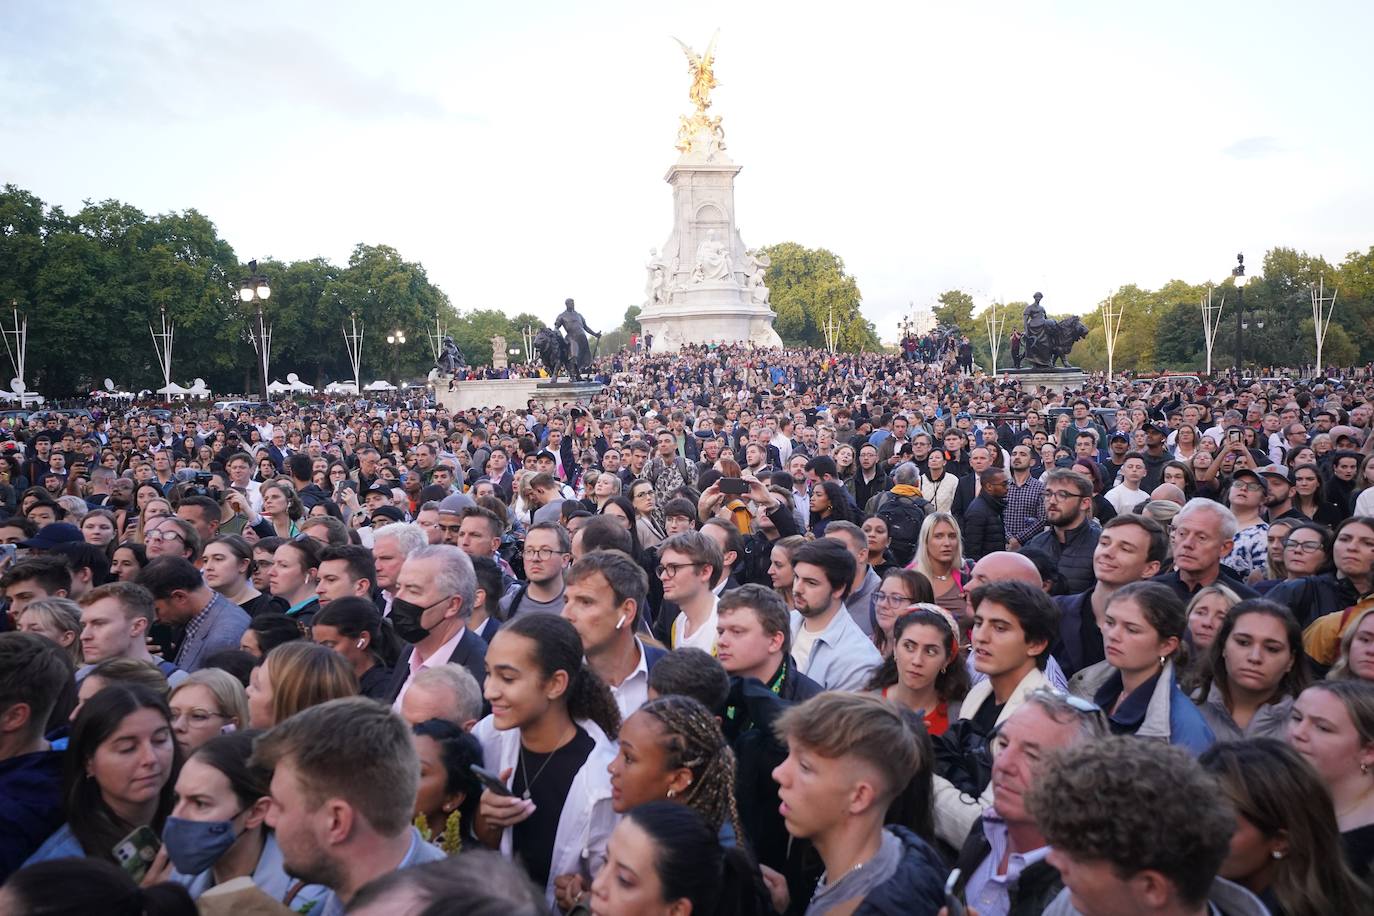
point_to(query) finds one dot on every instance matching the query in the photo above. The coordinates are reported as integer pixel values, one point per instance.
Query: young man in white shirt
(689, 566)
(1126, 495)
(604, 596)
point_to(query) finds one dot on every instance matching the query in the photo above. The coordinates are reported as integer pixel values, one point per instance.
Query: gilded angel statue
(700, 67)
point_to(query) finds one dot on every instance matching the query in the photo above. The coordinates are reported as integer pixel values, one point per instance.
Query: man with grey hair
(330, 830)
(448, 692)
(1202, 534)
(390, 547)
(435, 591)
(1003, 859)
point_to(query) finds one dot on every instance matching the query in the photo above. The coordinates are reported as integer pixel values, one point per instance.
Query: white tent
(276, 387)
(380, 385)
(347, 386)
(173, 390)
(296, 384)
(198, 390)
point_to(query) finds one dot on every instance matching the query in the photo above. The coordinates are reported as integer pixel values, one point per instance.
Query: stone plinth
(706, 287)
(514, 393)
(1057, 380)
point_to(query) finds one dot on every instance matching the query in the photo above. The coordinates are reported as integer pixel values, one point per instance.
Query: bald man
(1168, 492)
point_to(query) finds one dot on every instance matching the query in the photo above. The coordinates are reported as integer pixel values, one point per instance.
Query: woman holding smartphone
(551, 738)
(118, 775)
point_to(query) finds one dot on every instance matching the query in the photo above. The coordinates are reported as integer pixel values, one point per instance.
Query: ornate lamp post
(255, 289)
(396, 339)
(1238, 275)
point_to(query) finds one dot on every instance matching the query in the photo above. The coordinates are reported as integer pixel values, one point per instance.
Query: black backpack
(904, 516)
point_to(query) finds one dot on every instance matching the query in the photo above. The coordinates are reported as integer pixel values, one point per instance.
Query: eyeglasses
(891, 598)
(1251, 487)
(156, 536)
(1303, 546)
(1063, 495)
(669, 570)
(543, 553)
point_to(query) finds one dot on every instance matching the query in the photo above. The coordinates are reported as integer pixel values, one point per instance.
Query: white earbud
(621, 622)
(361, 644)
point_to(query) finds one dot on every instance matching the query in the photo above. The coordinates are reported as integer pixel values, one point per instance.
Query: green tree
(809, 285)
(955, 308)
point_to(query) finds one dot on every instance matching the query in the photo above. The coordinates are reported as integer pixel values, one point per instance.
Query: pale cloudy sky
(518, 150)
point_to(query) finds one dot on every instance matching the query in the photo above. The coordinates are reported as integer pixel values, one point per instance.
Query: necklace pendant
(525, 795)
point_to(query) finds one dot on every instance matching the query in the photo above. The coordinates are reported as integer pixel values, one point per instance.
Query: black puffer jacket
(916, 888)
(1315, 596)
(1073, 558)
(982, 527)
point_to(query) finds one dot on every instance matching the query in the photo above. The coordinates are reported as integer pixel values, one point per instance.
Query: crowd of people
(752, 632)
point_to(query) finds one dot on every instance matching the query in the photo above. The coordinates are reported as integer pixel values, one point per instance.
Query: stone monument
(499, 358)
(1046, 342)
(705, 287)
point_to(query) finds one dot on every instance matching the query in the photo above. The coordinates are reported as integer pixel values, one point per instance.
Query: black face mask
(405, 619)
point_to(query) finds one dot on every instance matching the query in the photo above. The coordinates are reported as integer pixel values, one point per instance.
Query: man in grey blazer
(211, 622)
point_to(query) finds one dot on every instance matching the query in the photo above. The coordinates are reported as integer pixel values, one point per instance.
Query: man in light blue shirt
(827, 644)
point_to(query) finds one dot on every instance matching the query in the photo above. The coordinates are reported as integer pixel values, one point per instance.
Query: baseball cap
(545, 453)
(380, 488)
(455, 504)
(1156, 428)
(1118, 435)
(1274, 470)
(391, 512)
(1246, 472)
(49, 536)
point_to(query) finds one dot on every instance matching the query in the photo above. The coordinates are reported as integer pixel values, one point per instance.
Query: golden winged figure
(700, 67)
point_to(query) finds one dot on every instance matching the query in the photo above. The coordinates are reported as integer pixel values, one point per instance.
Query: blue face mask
(193, 846)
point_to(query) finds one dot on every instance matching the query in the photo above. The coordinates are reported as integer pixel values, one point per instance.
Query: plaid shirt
(193, 626)
(1024, 514)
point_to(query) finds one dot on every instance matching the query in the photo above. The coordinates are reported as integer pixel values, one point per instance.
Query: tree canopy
(805, 284)
(92, 282)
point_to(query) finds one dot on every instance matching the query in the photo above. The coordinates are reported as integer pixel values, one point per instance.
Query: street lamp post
(255, 289)
(396, 339)
(1238, 275)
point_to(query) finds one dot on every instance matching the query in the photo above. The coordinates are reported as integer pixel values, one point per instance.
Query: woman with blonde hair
(58, 619)
(1356, 661)
(1207, 611)
(152, 510)
(940, 558)
(207, 703)
(294, 676)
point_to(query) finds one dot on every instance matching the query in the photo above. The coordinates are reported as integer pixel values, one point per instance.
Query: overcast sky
(518, 150)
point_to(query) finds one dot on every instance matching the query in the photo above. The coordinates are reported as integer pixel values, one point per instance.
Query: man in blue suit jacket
(211, 622)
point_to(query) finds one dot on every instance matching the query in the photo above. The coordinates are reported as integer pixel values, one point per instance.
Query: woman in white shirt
(551, 737)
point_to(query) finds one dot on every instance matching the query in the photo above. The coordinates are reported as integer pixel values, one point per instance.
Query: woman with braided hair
(672, 748)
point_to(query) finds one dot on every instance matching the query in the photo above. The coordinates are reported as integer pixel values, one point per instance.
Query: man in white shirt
(239, 467)
(435, 592)
(827, 644)
(602, 598)
(690, 564)
(1126, 495)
